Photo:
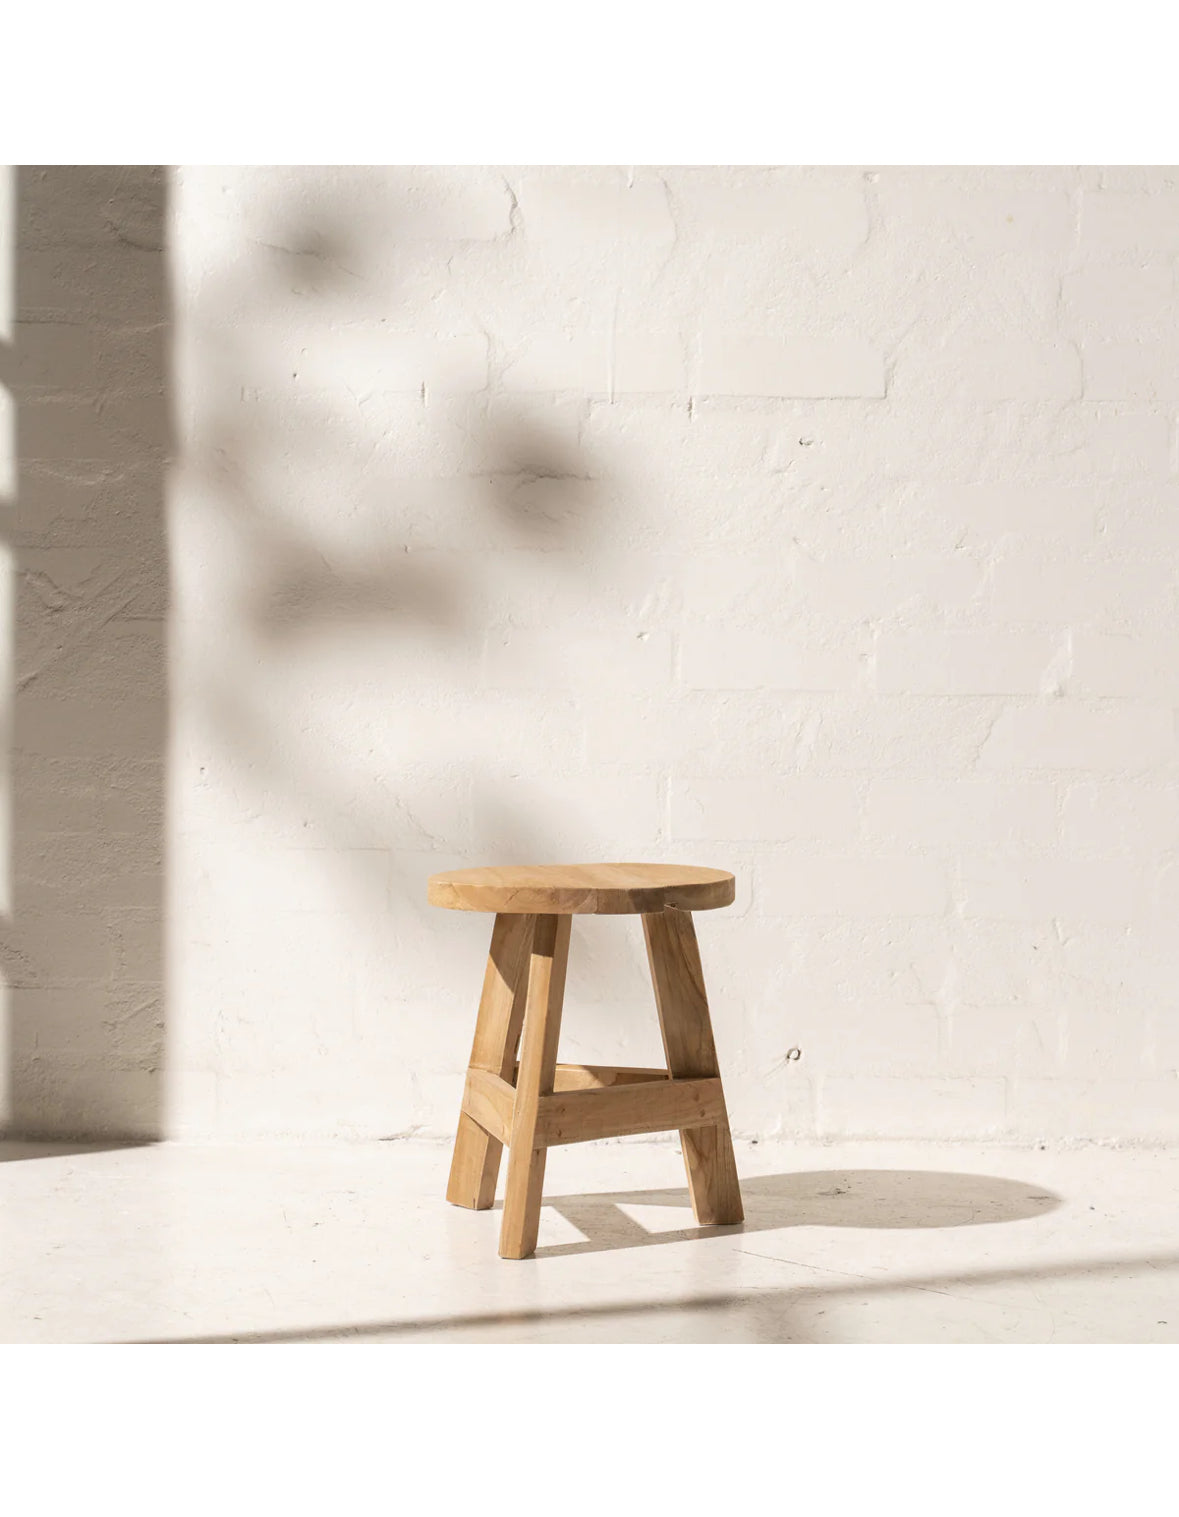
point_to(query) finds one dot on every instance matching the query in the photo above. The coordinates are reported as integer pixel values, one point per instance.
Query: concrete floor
(856, 1243)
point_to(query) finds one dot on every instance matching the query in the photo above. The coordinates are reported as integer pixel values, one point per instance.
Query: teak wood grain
(474, 1166)
(602, 889)
(578, 1116)
(490, 1102)
(538, 1067)
(682, 1003)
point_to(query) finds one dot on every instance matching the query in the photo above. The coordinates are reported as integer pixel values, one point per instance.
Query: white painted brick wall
(1070, 890)
(726, 657)
(1108, 298)
(969, 813)
(993, 662)
(1058, 736)
(750, 364)
(1119, 221)
(821, 214)
(756, 808)
(978, 369)
(903, 886)
(607, 204)
(1145, 370)
(820, 523)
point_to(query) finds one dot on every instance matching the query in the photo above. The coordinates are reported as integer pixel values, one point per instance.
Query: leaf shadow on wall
(356, 532)
(83, 941)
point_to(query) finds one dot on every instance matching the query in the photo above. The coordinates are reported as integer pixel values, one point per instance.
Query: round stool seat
(569, 889)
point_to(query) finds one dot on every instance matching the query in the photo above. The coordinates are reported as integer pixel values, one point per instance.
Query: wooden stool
(536, 1103)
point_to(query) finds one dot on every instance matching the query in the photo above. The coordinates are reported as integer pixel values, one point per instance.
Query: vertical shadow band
(88, 369)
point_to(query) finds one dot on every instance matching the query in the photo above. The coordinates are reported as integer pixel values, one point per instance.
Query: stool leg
(475, 1164)
(538, 1061)
(691, 1054)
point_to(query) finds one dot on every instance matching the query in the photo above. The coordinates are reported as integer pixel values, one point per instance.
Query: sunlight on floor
(855, 1243)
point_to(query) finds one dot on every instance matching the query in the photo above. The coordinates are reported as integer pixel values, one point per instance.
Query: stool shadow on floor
(866, 1198)
(889, 1198)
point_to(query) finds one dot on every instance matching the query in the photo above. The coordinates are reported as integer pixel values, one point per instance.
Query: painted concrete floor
(856, 1243)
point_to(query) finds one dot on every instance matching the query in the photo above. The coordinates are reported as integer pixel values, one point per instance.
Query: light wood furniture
(531, 1102)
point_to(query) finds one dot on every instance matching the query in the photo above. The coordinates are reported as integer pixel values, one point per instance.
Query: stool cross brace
(517, 1094)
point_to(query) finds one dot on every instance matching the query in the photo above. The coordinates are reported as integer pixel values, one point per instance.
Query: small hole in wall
(793, 1054)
